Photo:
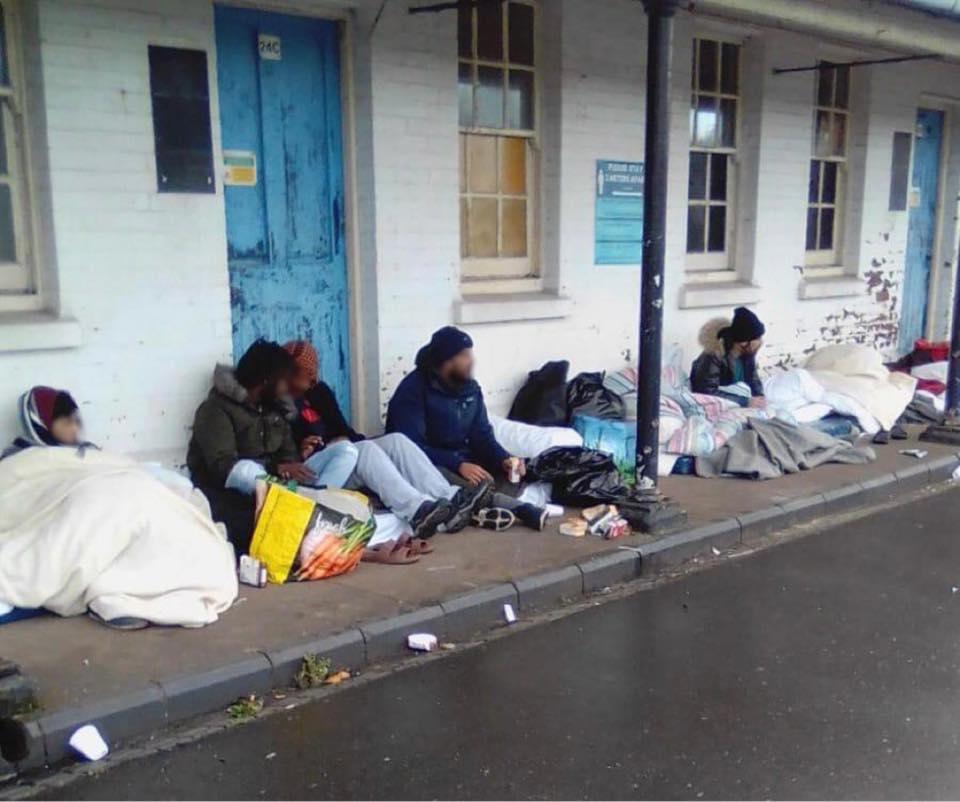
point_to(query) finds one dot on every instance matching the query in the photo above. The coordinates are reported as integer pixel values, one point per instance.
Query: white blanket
(858, 372)
(528, 441)
(98, 531)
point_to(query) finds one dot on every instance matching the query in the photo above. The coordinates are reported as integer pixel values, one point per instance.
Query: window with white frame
(498, 133)
(828, 165)
(15, 258)
(711, 192)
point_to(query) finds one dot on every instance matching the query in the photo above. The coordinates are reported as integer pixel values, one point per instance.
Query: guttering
(856, 21)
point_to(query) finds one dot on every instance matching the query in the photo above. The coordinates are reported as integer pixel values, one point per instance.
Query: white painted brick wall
(143, 273)
(146, 275)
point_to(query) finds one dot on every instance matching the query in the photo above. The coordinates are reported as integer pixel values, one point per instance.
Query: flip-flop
(390, 554)
(125, 623)
(496, 518)
(417, 545)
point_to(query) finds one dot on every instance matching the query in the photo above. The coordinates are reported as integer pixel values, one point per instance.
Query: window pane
(826, 229)
(839, 135)
(697, 186)
(4, 69)
(825, 87)
(730, 75)
(489, 97)
(8, 247)
(521, 34)
(822, 145)
(482, 164)
(490, 31)
(843, 87)
(693, 117)
(514, 227)
(696, 229)
(708, 65)
(482, 228)
(705, 134)
(812, 228)
(520, 100)
(718, 229)
(513, 166)
(829, 189)
(466, 95)
(464, 228)
(465, 31)
(718, 177)
(728, 123)
(813, 193)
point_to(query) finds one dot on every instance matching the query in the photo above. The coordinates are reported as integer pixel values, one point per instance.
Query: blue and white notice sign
(618, 223)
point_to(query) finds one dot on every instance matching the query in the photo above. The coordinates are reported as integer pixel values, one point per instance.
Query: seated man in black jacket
(730, 357)
(391, 466)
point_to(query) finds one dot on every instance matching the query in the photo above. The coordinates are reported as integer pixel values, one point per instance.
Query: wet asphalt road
(828, 667)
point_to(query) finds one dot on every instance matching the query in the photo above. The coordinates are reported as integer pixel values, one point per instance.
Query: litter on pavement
(422, 642)
(509, 615)
(913, 452)
(89, 743)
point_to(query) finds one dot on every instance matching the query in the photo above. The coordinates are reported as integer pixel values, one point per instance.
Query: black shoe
(429, 517)
(496, 518)
(531, 516)
(464, 503)
(881, 438)
(898, 432)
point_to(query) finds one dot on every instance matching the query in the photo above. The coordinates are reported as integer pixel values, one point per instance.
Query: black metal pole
(948, 431)
(659, 35)
(953, 375)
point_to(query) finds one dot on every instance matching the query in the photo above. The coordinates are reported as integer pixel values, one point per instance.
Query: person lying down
(83, 530)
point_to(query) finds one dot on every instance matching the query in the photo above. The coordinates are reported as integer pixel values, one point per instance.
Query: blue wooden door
(279, 83)
(922, 226)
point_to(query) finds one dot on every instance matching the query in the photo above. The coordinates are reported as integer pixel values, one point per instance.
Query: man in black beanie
(440, 407)
(730, 356)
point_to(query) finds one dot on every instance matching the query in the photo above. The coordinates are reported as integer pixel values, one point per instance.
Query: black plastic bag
(580, 477)
(586, 395)
(542, 400)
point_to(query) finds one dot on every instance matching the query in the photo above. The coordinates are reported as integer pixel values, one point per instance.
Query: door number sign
(270, 47)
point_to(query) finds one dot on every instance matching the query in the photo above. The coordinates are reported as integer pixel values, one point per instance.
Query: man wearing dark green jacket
(241, 429)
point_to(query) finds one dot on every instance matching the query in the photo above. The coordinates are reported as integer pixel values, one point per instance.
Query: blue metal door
(279, 82)
(922, 226)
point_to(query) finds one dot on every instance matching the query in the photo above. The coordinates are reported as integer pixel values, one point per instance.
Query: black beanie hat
(745, 326)
(447, 343)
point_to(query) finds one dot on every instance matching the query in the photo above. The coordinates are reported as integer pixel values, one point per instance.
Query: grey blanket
(766, 449)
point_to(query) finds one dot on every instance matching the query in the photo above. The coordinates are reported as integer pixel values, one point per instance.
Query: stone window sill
(726, 294)
(813, 287)
(507, 307)
(38, 331)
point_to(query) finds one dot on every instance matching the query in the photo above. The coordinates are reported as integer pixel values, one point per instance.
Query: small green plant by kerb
(313, 671)
(245, 707)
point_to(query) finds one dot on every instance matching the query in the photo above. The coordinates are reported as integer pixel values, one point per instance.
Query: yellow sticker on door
(239, 168)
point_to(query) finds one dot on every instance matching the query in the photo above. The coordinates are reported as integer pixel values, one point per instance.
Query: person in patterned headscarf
(48, 417)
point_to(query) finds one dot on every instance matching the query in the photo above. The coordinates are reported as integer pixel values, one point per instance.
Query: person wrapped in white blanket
(82, 530)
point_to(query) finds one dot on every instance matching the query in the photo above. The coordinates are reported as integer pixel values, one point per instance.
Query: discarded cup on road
(422, 642)
(89, 743)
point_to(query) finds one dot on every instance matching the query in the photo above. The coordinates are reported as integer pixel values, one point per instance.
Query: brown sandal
(390, 553)
(417, 545)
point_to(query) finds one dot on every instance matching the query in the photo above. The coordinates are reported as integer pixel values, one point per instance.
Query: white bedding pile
(98, 531)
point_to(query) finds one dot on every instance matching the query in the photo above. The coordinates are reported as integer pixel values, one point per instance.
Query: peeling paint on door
(288, 275)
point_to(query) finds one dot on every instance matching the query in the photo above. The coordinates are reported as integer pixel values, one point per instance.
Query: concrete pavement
(826, 668)
(131, 683)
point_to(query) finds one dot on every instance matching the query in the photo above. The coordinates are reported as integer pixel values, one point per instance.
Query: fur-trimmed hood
(709, 336)
(225, 382)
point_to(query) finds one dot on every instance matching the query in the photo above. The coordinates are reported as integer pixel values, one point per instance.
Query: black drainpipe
(659, 38)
